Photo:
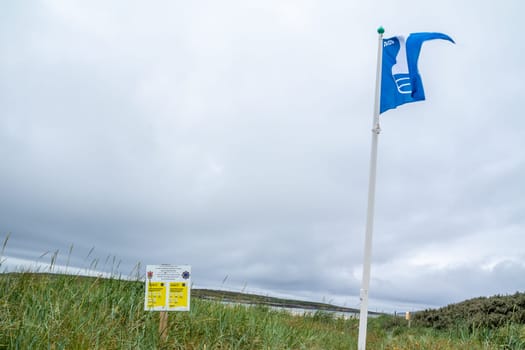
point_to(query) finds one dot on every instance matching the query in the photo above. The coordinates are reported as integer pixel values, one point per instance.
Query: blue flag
(401, 82)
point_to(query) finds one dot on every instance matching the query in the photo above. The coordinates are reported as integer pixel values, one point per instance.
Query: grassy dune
(42, 311)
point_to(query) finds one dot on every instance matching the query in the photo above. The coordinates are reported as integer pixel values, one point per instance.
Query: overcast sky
(234, 136)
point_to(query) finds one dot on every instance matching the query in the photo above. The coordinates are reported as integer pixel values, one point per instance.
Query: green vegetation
(478, 313)
(46, 311)
(498, 319)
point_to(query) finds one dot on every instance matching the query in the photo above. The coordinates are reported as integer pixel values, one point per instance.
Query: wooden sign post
(163, 326)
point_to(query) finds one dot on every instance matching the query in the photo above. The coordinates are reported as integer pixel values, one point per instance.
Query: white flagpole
(363, 313)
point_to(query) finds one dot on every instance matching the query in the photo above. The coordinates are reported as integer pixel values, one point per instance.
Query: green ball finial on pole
(380, 30)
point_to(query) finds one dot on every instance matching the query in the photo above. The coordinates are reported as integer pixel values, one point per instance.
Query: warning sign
(168, 288)
(156, 295)
(178, 294)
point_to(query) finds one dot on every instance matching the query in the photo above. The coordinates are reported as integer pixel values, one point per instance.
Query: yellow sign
(178, 295)
(156, 294)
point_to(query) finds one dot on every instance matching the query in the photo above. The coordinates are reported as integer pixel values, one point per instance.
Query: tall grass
(60, 311)
(48, 311)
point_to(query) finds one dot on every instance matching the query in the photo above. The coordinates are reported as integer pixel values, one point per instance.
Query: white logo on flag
(400, 69)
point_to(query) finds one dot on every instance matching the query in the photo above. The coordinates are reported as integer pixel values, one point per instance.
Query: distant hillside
(492, 312)
(243, 298)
